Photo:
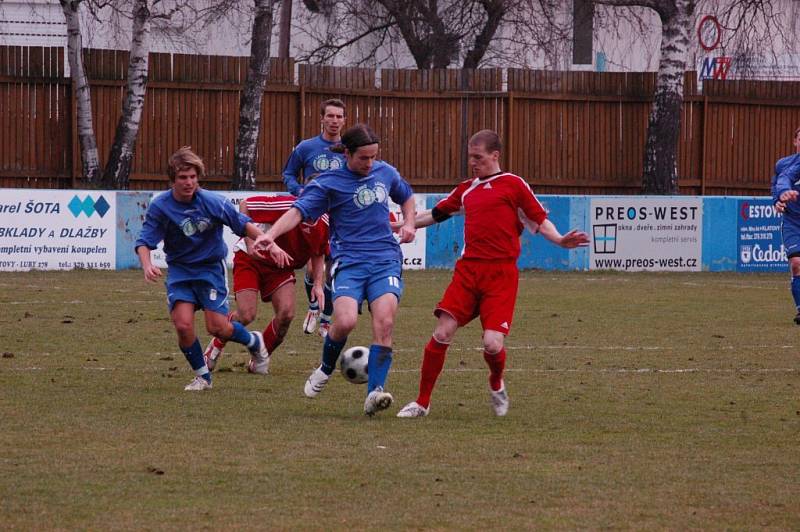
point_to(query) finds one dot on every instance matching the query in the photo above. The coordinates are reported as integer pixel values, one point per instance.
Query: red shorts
(482, 288)
(250, 274)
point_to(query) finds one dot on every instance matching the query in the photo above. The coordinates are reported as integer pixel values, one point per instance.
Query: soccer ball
(354, 364)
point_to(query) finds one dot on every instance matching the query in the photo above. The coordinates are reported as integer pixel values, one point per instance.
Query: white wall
(627, 43)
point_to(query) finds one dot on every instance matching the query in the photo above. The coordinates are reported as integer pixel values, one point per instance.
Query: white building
(618, 42)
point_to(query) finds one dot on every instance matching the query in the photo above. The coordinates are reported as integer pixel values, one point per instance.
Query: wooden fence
(565, 132)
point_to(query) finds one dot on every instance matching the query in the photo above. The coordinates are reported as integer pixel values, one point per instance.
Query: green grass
(637, 401)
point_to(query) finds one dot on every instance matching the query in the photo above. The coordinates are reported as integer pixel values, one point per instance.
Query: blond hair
(183, 159)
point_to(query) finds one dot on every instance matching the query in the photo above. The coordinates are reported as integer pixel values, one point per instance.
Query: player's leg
(283, 306)
(353, 278)
(346, 309)
(794, 267)
(310, 321)
(790, 232)
(500, 283)
(213, 298)
(384, 290)
(457, 308)
(246, 284)
(182, 315)
(327, 310)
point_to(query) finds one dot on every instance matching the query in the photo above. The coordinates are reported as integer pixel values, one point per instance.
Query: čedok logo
(88, 206)
(757, 254)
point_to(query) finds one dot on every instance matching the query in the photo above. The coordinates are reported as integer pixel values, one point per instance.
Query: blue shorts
(208, 292)
(366, 280)
(790, 232)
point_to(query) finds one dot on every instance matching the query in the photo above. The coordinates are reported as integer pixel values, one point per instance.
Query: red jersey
(496, 210)
(302, 242)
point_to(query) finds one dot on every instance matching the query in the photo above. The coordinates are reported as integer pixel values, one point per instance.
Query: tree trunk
(285, 38)
(244, 157)
(118, 168)
(660, 173)
(90, 161)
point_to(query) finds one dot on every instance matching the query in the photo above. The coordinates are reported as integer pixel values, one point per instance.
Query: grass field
(666, 401)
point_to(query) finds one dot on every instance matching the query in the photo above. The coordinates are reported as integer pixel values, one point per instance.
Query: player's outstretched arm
(151, 271)
(573, 239)
(408, 229)
(266, 241)
(422, 219)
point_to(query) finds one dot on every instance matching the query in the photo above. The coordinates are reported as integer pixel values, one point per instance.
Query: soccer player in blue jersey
(785, 191)
(189, 220)
(308, 159)
(367, 260)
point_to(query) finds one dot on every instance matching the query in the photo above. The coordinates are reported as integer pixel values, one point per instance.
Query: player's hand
(406, 232)
(789, 195)
(318, 295)
(281, 258)
(396, 225)
(574, 239)
(780, 207)
(151, 273)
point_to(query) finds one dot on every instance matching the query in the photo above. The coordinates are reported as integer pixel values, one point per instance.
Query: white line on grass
(620, 371)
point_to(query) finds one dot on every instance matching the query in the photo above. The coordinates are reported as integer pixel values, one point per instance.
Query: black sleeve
(439, 215)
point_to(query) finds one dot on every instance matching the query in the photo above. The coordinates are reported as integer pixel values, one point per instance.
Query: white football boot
(499, 400)
(198, 385)
(315, 383)
(259, 357)
(413, 409)
(377, 400)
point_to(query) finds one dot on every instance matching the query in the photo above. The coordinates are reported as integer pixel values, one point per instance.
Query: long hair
(355, 137)
(183, 159)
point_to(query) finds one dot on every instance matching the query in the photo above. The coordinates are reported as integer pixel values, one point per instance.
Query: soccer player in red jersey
(497, 206)
(254, 273)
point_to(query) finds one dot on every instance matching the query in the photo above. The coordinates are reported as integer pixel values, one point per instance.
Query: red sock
(432, 364)
(271, 340)
(497, 363)
(219, 344)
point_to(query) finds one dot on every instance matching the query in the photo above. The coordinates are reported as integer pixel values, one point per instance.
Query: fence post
(508, 141)
(703, 147)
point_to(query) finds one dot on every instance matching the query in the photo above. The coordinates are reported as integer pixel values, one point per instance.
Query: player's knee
(184, 328)
(794, 266)
(246, 316)
(492, 344)
(345, 323)
(220, 330)
(283, 318)
(443, 336)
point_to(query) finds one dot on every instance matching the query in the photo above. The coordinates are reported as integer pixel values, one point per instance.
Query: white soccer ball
(353, 364)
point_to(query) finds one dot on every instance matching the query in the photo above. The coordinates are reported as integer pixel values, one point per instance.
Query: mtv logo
(604, 238)
(745, 254)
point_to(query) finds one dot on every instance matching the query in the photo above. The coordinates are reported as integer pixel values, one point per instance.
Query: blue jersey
(192, 232)
(358, 210)
(787, 177)
(312, 156)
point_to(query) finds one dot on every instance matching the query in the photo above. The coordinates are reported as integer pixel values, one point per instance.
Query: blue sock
(796, 291)
(380, 360)
(241, 335)
(327, 312)
(312, 305)
(330, 353)
(194, 355)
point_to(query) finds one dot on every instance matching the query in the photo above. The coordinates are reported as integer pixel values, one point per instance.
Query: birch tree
(660, 170)
(142, 14)
(245, 154)
(90, 161)
(118, 167)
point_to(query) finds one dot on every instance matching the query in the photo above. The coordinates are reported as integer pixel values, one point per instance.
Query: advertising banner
(413, 252)
(57, 230)
(652, 234)
(759, 244)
